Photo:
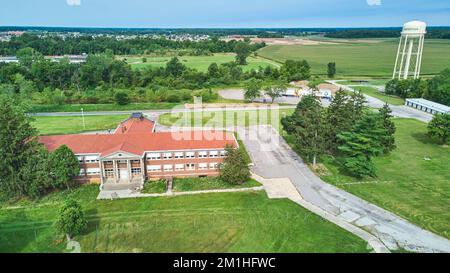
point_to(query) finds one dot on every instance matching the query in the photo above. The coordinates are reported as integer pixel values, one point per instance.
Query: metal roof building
(428, 106)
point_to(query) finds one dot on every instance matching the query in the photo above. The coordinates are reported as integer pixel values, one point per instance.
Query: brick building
(135, 153)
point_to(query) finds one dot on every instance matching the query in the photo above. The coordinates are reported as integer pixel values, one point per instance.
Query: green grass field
(224, 118)
(225, 222)
(74, 124)
(208, 183)
(201, 63)
(407, 184)
(359, 58)
(394, 100)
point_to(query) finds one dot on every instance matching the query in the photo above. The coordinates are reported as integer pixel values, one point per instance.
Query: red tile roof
(135, 125)
(138, 143)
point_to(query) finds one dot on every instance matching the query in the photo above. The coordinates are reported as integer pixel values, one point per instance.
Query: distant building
(9, 59)
(428, 106)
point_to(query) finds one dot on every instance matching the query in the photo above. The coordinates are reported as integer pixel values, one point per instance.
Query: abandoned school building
(134, 152)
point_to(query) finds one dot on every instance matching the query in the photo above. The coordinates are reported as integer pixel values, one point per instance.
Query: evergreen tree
(17, 145)
(388, 140)
(331, 70)
(439, 127)
(361, 144)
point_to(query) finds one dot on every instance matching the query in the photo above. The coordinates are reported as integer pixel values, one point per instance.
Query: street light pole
(82, 115)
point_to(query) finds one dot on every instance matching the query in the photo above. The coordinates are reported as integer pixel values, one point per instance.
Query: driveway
(273, 158)
(399, 111)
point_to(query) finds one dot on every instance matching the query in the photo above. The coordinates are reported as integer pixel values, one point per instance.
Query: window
(168, 168)
(135, 171)
(223, 153)
(190, 154)
(179, 155)
(167, 155)
(93, 171)
(179, 167)
(203, 166)
(213, 166)
(80, 159)
(136, 161)
(81, 172)
(190, 166)
(154, 156)
(109, 173)
(214, 154)
(154, 168)
(91, 159)
(202, 154)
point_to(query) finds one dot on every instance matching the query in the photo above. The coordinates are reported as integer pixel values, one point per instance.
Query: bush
(173, 97)
(121, 98)
(234, 169)
(71, 219)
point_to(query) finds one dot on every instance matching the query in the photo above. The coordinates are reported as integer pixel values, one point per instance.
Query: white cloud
(73, 2)
(374, 2)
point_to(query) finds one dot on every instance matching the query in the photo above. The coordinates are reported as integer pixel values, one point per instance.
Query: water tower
(410, 49)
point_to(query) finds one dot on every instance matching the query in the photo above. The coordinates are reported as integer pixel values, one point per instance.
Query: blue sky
(222, 13)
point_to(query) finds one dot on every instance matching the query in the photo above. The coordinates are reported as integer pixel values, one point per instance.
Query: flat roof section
(430, 104)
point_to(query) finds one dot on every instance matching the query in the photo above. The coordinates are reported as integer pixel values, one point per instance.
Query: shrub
(121, 98)
(71, 219)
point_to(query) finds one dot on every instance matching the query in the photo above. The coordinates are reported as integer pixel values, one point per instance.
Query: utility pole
(82, 116)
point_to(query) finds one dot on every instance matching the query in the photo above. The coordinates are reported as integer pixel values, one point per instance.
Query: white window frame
(154, 156)
(167, 169)
(179, 167)
(167, 156)
(214, 154)
(136, 171)
(82, 172)
(203, 166)
(190, 167)
(93, 171)
(213, 166)
(91, 159)
(154, 168)
(178, 155)
(203, 154)
(223, 153)
(189, 155)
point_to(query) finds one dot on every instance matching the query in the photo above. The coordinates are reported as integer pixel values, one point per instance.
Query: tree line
(436, 89)
(55, 45)
(102, 76)
(432, 33)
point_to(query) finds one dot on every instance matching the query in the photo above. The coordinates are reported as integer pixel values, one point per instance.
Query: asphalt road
(273, 158)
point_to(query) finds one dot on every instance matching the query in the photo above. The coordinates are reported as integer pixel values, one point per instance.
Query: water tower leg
(396, 59)
(408, 59)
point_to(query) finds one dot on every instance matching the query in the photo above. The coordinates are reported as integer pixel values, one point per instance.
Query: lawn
(225, 118)
(201, 63)
(407, 184)
(74, 124)
(101, 107)
(394, 100)
(359, 58)
(218, 222)
(208, 183)
(158, 186)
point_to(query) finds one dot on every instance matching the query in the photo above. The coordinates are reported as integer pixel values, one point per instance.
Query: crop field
(358, 58)
(201, 63)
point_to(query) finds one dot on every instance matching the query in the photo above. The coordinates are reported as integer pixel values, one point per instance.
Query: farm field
(375, 59)
(225, 222)
(413, 181)
(74, 124)
(201, 63)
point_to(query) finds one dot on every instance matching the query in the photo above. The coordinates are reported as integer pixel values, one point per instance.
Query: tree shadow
(425, 139)
(93, 220)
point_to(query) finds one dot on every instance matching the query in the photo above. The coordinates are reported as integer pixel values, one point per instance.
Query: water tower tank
(410, 49)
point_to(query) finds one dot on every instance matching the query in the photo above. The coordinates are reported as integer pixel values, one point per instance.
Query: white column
(396, 59)
(115, 171)
(129, 170)
(403, 58)
(408, 60)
